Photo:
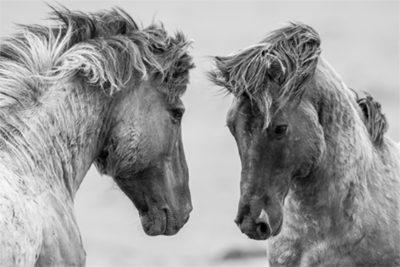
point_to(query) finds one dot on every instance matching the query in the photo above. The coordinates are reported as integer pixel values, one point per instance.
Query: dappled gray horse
(319, 178)
(94, 88)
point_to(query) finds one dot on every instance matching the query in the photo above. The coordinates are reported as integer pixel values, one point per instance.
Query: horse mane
(373, 119)
(287, 56)
(107, 49)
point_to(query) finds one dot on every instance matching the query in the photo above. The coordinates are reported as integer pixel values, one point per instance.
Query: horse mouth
(170, 223)
(160, 223)
(278, 229)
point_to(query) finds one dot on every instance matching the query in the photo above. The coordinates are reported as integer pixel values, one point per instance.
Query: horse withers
(94, 88)
(319, 179)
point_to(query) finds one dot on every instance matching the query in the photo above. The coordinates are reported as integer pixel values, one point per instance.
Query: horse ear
(221, 75)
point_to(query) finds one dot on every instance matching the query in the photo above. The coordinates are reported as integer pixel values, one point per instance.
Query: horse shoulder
(20, 228)
(323, 254)
(384, 179)
(62, 243)
(38, 229)
(381, 220)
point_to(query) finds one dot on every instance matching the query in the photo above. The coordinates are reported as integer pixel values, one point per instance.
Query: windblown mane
(106, 48)
(374, 120)
(287, 56)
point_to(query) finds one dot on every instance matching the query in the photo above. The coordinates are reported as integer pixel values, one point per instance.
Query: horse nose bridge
(258, 181)
(249, 206)
(256, 190)
(180, 158)
(255, 178)
(176, 168)
(263, 201)
(174, 187)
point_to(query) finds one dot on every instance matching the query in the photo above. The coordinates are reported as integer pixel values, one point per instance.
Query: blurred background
(360, 39)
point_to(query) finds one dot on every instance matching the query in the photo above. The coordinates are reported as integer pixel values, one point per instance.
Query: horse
(89, 88)
(320, 181)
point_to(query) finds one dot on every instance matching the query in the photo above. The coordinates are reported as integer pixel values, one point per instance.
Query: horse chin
(278, 229)
(159, 223)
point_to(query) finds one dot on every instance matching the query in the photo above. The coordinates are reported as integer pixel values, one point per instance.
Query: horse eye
(280, 130)
(177, 114)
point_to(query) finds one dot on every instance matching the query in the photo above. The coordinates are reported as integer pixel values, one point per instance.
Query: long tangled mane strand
(107, 48)
(287, 56)
(374, 120)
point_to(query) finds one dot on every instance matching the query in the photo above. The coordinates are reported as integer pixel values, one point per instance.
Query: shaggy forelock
(107, 49)
(287, 56)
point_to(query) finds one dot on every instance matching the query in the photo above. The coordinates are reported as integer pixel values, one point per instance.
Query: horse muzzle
(162, 222)
(259, 228)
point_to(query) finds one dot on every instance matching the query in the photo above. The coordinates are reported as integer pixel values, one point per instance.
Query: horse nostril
(263, 230)
(166, 211)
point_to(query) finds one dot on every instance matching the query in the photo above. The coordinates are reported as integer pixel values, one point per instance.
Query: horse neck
(340, 180)
(57, 142)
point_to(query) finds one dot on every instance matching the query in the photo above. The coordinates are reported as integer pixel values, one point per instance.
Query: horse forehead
(150, 94)
(237, 106)
(244, 106)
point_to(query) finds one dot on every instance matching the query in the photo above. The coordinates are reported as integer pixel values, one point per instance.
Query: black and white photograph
(199, 133)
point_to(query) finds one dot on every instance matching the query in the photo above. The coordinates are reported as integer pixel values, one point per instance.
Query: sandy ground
(359, 39)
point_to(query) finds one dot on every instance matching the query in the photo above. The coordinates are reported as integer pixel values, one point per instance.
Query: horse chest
(292, 252)
(284, 252)
(62, 243)
(293, 248)
(302, 242)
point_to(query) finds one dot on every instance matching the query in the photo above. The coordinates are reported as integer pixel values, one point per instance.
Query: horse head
(144, 154)
(142, 148)
(274, 122)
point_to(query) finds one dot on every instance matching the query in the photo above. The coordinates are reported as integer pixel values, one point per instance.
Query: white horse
(95, 88)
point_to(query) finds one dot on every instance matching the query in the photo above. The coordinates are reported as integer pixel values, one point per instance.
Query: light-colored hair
(106, 48)
(287, 56)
